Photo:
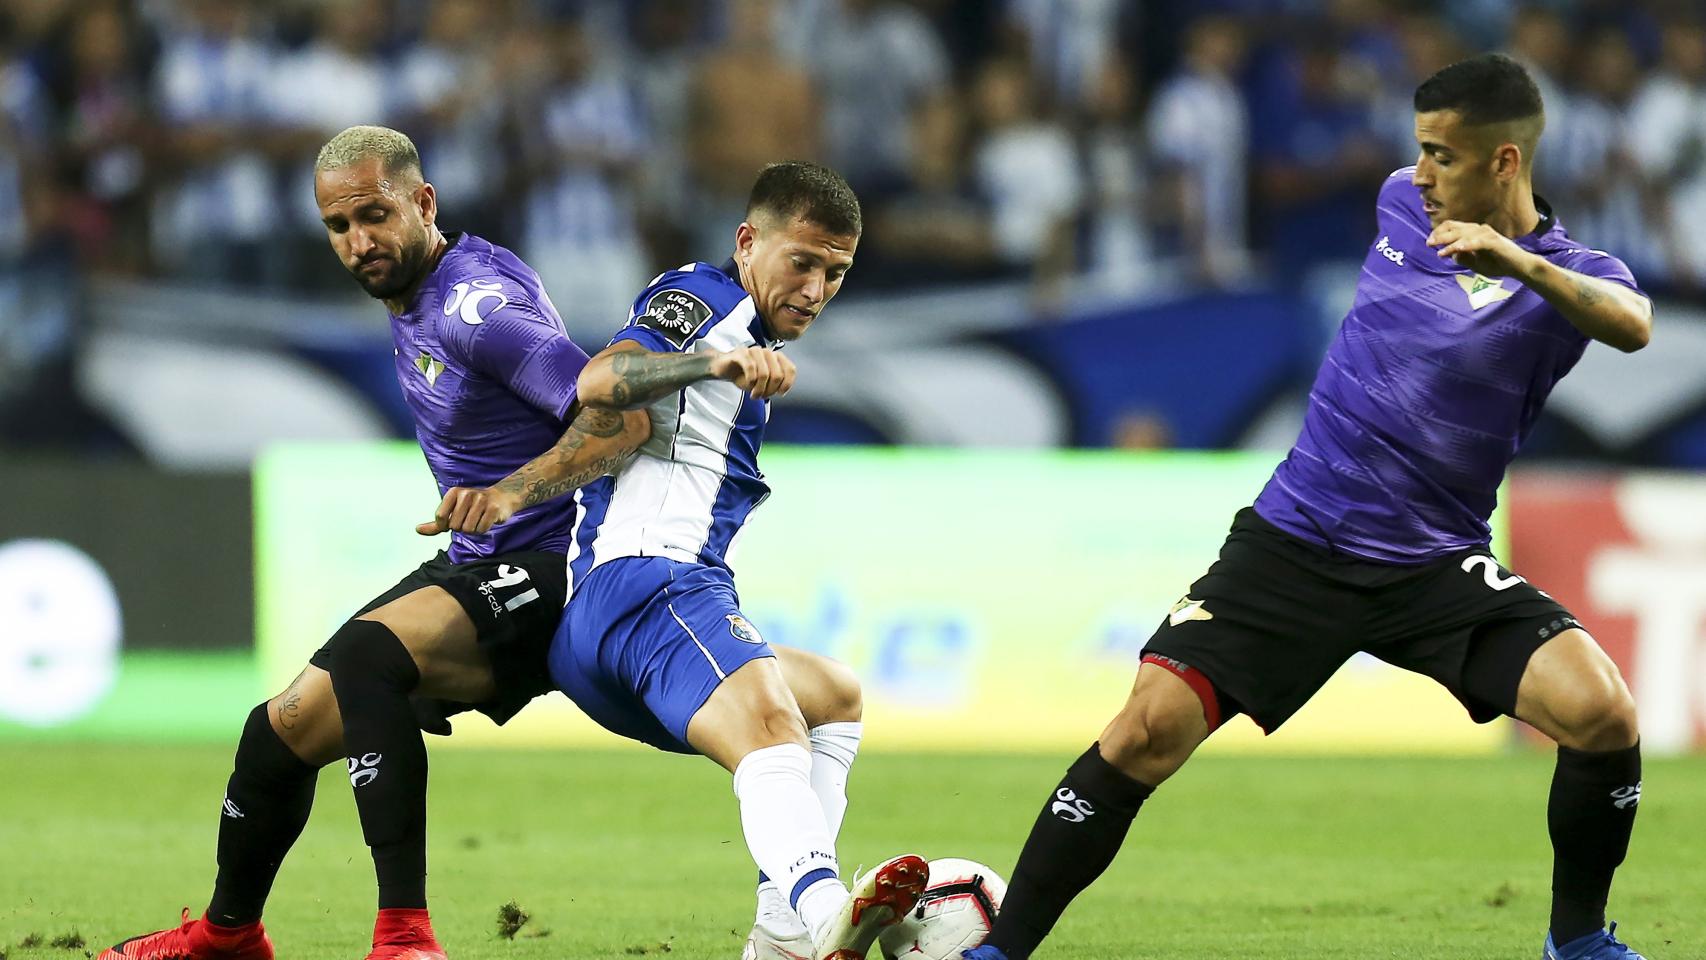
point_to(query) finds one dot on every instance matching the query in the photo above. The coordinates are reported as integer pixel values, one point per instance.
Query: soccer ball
(954, 913)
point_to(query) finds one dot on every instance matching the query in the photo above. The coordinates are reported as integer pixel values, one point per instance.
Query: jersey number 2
(1490, 572)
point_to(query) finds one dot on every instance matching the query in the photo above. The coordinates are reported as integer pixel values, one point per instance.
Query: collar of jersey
(1542, 234)
(756, 328)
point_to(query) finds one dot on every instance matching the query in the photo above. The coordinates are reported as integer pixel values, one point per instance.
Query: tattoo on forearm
(1586, 295)
(541, 490)
(598, 423)
(544, 478)
(641, 378)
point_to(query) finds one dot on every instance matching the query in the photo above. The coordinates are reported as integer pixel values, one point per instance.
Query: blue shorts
(644, 642)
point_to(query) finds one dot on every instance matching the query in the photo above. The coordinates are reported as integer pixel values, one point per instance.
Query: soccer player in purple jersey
(490, 376)
(1372, 535)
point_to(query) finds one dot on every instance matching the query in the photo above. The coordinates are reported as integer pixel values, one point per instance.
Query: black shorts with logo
(515, 600)
(1276, 616)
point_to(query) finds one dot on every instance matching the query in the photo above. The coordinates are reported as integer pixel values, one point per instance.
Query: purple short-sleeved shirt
(1435, 378)
(489, 373)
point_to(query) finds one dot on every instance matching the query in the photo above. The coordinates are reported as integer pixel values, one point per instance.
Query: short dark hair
(1490, 88)
(796, 188)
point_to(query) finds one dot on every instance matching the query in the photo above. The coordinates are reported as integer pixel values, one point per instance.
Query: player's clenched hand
(1478, 247)
(757, 370)
(469, 510)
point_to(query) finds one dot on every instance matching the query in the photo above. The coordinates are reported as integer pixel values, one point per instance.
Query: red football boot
(195, 939)
(878, 899)
(404, 934)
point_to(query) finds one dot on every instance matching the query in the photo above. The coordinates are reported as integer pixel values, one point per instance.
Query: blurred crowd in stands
(988, 137)
(1222, 143)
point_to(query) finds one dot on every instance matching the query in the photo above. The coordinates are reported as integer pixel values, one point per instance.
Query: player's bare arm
(597, 442)
(626, 376)
(1606, 311)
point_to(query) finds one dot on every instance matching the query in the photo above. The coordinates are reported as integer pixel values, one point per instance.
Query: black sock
(1590, 814)
(267, 801)
(372, 675)
(1074, 839)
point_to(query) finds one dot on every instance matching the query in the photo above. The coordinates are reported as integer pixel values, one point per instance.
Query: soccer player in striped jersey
(489, 373)
(1373, 534)
(654, 645)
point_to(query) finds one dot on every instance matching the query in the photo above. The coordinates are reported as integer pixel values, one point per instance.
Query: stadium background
(1106, 244)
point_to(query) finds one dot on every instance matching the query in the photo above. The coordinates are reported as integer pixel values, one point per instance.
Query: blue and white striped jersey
(689, 490)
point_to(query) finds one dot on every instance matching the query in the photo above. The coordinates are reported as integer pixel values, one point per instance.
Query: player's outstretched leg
(266, 805)
(751, 724)
(1572, 692)
(1085, 818)
(831, 702)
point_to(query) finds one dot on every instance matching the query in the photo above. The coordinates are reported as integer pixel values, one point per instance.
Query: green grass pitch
(633, 854)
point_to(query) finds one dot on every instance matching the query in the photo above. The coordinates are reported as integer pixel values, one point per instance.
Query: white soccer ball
(953, 914)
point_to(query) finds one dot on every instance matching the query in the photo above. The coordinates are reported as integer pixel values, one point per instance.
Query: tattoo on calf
(290, 710)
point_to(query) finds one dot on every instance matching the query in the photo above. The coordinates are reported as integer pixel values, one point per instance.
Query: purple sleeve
(1399, 204)
(1598, 263)
(518, 347)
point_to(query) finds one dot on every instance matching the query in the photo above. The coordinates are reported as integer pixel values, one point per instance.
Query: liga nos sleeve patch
(675, 314)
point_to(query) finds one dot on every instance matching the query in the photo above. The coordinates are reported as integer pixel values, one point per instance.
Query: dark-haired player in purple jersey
(490, 376)
(1373, 534)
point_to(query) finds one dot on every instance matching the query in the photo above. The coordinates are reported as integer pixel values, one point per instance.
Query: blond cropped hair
(394, 150)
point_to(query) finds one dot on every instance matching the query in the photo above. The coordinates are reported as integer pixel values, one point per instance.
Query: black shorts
(1276, 616)
(515, 600)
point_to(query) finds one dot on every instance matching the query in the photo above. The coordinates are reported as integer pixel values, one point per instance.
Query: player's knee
(844, 697)
(1597, 718)
(367, 652)
(1152, 738)
(1609, 723)
(781, 723)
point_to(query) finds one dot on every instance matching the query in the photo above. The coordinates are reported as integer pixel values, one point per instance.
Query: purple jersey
(489, 374)
(1434, 380)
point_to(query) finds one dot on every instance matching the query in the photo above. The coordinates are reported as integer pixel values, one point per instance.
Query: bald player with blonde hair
(489, 374)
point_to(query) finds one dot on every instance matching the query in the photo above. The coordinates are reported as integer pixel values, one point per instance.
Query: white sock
(786, 832)
(774, 912)
(834, 745)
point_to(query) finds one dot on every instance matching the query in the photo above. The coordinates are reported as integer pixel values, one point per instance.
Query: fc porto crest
(1481, 290)
(743, 629)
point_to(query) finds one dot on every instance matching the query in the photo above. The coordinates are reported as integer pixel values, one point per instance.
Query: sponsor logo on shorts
(1071, 807)
(509, 575)
(1625, 797)
(1188, 609)
(743, 629)
(232, 810)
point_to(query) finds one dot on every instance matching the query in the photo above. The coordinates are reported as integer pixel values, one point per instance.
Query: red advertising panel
(1627, 554)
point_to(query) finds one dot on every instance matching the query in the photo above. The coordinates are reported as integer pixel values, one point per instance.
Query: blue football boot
(985, 952)
(1598, 945)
